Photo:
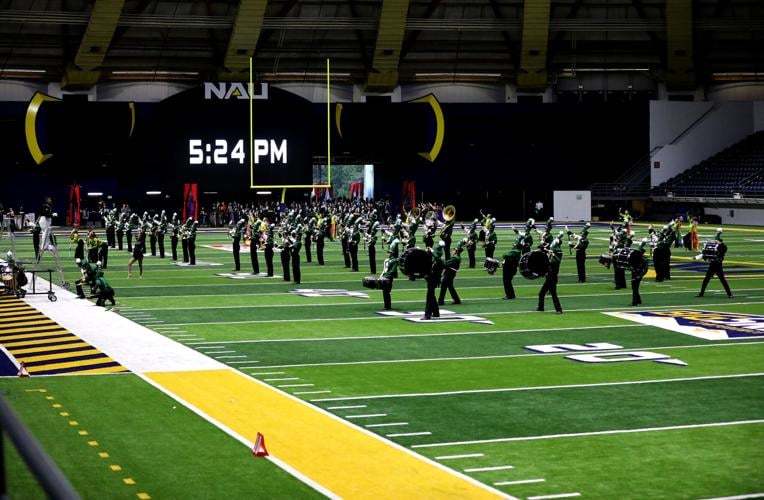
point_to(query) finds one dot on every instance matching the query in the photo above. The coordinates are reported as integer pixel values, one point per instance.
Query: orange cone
(259, 449)
(22, 370)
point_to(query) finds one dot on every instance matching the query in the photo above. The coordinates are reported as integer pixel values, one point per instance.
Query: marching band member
(715, 266)
(694, 242)
(138, 250)
(449, 274)
(255, 235)
(619, 274)
(79, 244)
(528, 235)
(120, 231)
(509, 267)
(433, 279)
(580, 246)
(429, 232)
(638, 271)
(103, 291)
(353, 241)
(174, 228)
(185, 230)
(294, 252)
(235, 235)
(490, 239)
(308, 233)
(345, 233)
(285, 257)
(36, 230)
(390, 271)
(154, 227)
(161, 232)
(268, 252)
(445, 235)
(321, 234)
(472, 239)
(550, 282)
(192, 244)
(89, 272)
(93, 244)
(110, 222)
(371, 241)
(662, 254)
(625, 220)
(103, 254)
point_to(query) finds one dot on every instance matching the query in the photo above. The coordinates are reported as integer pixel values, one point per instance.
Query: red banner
(190, 201)
(73, 213)
(409, 195)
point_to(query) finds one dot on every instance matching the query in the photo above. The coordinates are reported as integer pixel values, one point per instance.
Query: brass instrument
(449, 213)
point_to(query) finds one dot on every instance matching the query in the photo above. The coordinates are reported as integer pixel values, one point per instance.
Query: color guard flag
(259, 448)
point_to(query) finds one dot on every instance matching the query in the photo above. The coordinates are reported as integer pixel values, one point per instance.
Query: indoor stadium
(386, 249)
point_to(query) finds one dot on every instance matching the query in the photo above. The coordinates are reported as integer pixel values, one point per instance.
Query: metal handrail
(47, 473)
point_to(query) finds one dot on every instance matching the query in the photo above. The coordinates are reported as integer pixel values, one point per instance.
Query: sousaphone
(449, 213)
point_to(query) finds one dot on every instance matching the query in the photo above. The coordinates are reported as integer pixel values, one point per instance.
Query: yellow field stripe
(741, 262)
(22, 315)
(61, 355)
(69, 364)
(108, 369)
(18, 333)
(47, 348)
(16, 323)
(343, 459)
(46, 339)
(15, 307)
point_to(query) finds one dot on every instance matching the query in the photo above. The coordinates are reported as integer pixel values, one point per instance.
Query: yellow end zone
(349, 462)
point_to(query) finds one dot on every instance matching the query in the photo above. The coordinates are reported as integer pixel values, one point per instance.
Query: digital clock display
(207, 140)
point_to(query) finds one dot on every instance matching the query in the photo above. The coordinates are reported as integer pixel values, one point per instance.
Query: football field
(606, 401)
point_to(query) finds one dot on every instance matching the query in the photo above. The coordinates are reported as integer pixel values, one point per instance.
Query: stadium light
(153, 193)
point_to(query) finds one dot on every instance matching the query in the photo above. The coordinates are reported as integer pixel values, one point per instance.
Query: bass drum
(627, 258)
(534, 264)
(415, 263)
(713, 251)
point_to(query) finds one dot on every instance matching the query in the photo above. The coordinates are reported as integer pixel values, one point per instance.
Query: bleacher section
(737, 171)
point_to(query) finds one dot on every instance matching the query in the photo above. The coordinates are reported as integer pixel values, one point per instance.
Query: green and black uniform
(715, 267)
(103, 291)
(550, 283)
(449, 274)
(389, 271)
(509, 267)
(639, 265)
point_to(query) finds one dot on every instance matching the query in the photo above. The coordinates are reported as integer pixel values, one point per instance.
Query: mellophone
(376, 283)
(534, 264)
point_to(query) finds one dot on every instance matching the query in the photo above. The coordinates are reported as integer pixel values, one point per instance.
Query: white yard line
(496, 356)
(739, 497)
(406, 434)
(368, 415)
(419, 335)
(486, 469)
(389, 424)
(482, 313)
(558, 495)
(539, 387)
(296, 385)
(521, 481)
(455, 457)
(346, 407)
(594, 433)
(311, 392)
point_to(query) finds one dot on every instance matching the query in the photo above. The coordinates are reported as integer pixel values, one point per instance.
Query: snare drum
(713, 251)
(415, 263)
(606, 260)
(491, 265)
(534, 264)
(627, 258)
(376, 283)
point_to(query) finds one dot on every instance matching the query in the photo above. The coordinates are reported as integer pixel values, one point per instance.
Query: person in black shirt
(715, 266)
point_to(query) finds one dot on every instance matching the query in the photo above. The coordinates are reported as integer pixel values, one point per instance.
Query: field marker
(297, 385)
(454, 457)
(243, 362)
(594, 433)
(268, 373)
(310, 392)
(544, 387)
(345, 407)
(739, 497)
(280, 379)
(227, 357)
(246, 367)
(486, 469)
(369, 415)
(558, 495)
(404, 434)
(522, 481)
(390, 424)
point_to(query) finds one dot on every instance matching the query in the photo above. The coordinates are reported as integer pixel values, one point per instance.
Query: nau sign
(234, 90)
(708, 325)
